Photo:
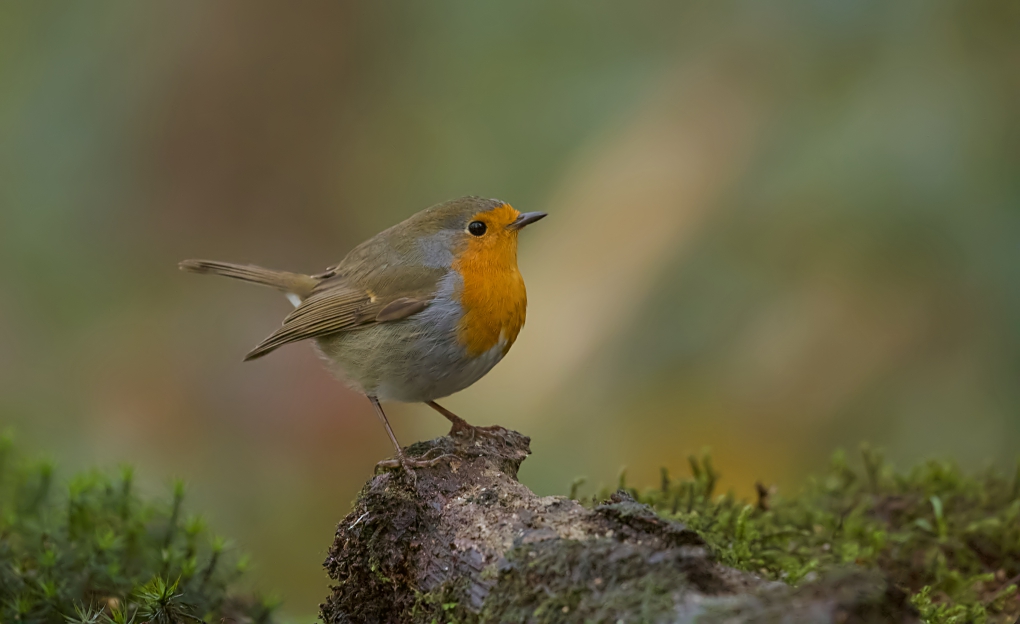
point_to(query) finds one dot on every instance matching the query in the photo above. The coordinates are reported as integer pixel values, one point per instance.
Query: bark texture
(464, 541)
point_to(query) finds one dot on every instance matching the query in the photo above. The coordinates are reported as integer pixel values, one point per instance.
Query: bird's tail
(290, 283)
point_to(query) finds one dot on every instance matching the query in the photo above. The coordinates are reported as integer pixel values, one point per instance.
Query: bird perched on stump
(413, 314)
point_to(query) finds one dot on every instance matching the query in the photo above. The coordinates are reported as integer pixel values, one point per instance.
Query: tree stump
(464, 541)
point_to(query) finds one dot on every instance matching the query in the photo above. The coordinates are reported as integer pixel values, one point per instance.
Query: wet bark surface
(464, 541)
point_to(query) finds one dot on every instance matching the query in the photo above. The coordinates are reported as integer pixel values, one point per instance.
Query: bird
(414, 314)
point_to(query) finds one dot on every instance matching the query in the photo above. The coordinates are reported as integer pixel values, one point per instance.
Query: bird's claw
(408, 464)
(462, 429)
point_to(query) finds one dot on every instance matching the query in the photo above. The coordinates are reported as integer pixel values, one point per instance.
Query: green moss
(564, 580)
(951, 540)
(441, 606)
(372, 558)
(97, 553)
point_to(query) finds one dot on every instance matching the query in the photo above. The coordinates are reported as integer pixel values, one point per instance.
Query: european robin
(415, 313)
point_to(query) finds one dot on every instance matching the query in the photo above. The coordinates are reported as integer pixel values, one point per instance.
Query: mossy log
(464, 541)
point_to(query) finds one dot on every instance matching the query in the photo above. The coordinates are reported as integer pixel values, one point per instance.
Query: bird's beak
(525, 219)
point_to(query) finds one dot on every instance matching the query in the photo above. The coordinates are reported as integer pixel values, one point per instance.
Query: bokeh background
(776, 229)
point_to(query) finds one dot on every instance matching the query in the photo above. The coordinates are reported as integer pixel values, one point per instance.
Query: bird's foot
(409, 464)
(462, 429)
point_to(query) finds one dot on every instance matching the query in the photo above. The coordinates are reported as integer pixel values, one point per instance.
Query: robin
(415, 313)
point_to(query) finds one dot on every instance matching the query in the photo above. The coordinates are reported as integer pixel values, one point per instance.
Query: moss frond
(951, 540)
(97, 553)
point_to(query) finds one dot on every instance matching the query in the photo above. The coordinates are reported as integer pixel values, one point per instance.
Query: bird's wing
(339, 304)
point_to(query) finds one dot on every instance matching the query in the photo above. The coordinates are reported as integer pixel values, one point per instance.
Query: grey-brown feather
(388, 278)
(324, 312)
(296, 283)
(341, 304)
(399, 309)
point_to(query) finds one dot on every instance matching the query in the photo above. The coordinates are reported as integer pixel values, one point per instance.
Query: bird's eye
(477, 228)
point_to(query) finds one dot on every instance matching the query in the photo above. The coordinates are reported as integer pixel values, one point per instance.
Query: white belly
(417, 359)
(415, 388)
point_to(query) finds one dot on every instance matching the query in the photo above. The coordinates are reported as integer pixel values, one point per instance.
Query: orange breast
(493, 297)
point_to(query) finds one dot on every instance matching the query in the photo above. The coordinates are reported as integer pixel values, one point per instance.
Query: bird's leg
(402, 460)
(461, 426)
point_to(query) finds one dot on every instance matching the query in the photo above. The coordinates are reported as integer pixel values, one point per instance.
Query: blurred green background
(776, 228)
